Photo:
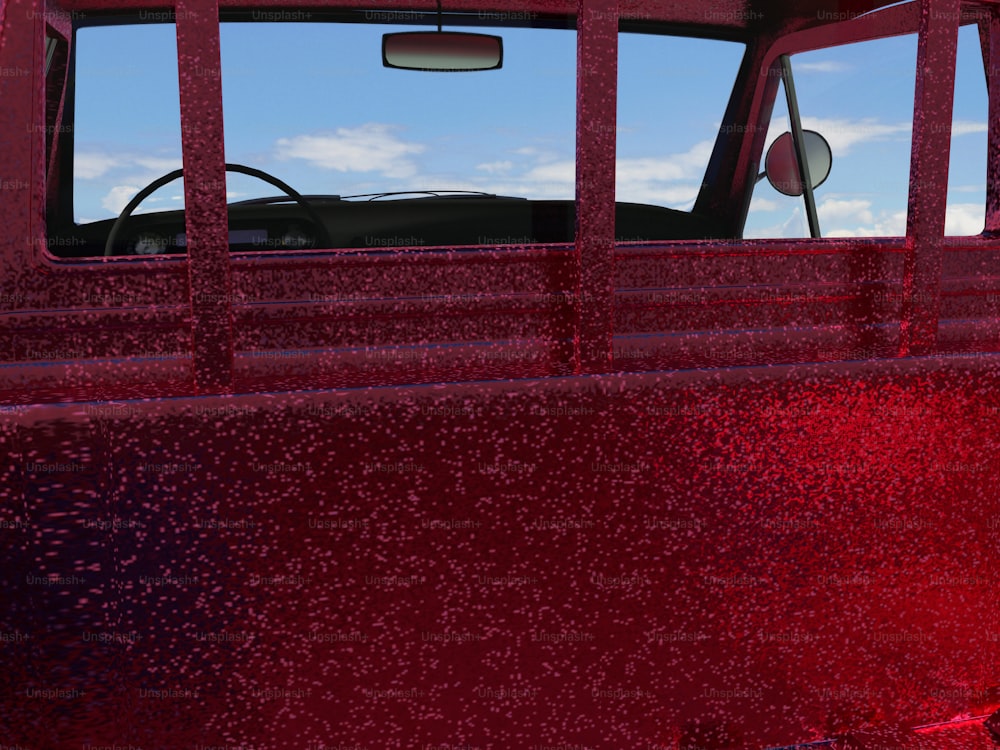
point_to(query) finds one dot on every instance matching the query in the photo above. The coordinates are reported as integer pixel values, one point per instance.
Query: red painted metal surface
(200, 75)
(596, 118)
(159, 297)
(747, 559)
(992, 28)
(936, 51)
(442, 512)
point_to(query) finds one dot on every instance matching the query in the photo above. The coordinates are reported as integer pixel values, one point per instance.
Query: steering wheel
(324, 237)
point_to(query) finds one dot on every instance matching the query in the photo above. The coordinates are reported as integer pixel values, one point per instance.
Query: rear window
(672, 96)
(319, 112)
(127, 122)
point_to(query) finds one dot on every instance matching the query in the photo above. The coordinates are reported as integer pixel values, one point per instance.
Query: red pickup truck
(532, 375)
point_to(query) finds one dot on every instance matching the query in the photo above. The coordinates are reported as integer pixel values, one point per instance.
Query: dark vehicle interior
(370, 223)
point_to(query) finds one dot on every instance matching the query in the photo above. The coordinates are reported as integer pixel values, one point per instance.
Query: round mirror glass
(782, 168)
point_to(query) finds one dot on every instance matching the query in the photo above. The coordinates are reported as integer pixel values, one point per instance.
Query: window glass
(127, 129)
(966, 210)
(321, 108)
(427, 153)
(672, 96)
(320, 112)
(860, 98)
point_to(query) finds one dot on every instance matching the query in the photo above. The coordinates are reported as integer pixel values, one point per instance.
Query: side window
(672, 96)
(860, 98)
(966, 211)
(127, 123)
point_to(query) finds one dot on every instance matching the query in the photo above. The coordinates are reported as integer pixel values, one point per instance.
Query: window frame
(972, 15)
(936, 23)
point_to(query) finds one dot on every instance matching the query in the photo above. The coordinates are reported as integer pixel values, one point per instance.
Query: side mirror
(782, 168)
(445, 51)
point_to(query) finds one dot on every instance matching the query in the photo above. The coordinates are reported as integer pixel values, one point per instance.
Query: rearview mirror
(782, 168)
(445, 51)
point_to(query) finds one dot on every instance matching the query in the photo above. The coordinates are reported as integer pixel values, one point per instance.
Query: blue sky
(312, 105)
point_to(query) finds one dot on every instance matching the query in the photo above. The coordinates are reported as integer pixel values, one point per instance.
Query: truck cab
(461, 374)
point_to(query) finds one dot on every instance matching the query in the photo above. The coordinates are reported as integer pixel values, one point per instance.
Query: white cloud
(649, 170)
(540, 154)
(550, 180)
(964, 219)
(794, 226)
(964, 127)
(668, 180)
(763, 204)
(672, 180)
(854, 218)
(844, 134)
(119, 197)
(159, 165)
(369, 148)
(838, 217)
(838, 211)
(89, 166)
(562, 172)
(886, 224)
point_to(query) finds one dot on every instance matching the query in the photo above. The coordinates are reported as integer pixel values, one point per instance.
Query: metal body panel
(697, 495)
(746, 558)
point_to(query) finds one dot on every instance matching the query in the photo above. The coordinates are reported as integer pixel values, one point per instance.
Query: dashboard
(276, 224)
